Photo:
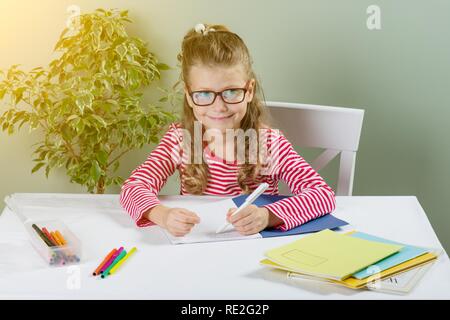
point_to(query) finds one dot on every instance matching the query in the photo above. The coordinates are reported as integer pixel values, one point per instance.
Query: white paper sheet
(404, 282)
(212, 216)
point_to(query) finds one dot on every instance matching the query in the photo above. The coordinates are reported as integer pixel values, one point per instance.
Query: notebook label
(305, 258)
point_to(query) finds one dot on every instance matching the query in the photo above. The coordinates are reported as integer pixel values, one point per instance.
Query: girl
(221, 95)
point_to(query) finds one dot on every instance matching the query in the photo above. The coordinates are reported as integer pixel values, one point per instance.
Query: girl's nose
(219, 105)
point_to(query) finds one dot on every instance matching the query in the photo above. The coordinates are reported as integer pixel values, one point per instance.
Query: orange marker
(97, 271)
(58, 242)
(61, 238)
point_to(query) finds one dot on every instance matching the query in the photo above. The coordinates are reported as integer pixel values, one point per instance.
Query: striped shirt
(312, 197)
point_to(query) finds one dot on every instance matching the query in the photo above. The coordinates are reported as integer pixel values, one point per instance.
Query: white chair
(335, 129)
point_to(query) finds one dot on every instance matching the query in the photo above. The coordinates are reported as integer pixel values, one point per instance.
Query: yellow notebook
(330, 255)
(354, 283)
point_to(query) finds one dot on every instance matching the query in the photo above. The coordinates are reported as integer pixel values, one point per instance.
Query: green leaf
(162, 66)
(80, 126)
(109, 30)
(63, 33)
(18, 93)
(37, 167)
(84, 101)
(66, 132)
(22, 123)
(121, 50)
(99, 120)
(47, 171)
(72, 117)
(95, 171)
(102, 157)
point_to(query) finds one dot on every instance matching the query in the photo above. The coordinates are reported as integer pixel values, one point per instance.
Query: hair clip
(200, 28)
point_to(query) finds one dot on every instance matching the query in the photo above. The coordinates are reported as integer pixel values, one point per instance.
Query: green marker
(42, 235)
(119, 257)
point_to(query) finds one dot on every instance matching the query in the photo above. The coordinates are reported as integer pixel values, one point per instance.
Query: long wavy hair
(218, 46)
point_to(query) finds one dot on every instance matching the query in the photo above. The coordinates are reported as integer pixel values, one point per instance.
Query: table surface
(220, 270)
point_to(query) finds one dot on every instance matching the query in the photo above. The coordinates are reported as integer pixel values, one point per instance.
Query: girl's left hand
(250, 220)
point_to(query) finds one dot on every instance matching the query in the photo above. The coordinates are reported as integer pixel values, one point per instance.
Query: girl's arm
(139, 192)
(312, 195)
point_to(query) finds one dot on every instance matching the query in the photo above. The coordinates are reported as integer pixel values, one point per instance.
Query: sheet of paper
(404, 282)
(212, 216)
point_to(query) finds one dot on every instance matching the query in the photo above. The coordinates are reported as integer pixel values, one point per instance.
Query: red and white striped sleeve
(312, 195)
(139, 192)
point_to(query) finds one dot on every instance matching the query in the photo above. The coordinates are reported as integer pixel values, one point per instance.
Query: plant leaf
(37, 167)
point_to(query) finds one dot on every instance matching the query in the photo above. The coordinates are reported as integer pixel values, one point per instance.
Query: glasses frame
(216, 93)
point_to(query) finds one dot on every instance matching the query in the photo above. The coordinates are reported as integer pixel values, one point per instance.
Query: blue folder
(406, 253)
(325, 222)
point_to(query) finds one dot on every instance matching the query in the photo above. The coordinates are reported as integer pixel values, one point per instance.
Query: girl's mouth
(220, 118)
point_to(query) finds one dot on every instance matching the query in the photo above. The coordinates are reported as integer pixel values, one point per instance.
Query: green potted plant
(88, 101)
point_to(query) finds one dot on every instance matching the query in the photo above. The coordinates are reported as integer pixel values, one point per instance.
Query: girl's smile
(220, 118)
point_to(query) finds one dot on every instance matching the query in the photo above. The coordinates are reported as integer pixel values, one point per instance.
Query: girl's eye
(233, 94)
(230, 92)
(203, 97)
(203, 94)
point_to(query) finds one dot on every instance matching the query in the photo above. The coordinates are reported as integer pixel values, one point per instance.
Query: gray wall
(316, 52)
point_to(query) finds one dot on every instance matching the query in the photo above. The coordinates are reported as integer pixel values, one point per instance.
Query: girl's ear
(251, 90)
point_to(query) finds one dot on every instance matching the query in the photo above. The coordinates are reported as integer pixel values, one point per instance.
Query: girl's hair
(218, 46)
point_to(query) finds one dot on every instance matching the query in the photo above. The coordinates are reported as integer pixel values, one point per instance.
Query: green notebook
(331, 255)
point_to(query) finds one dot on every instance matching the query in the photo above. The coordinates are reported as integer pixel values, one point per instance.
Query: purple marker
(113, 257)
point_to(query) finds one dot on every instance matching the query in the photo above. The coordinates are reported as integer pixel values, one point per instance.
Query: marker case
(55, 256)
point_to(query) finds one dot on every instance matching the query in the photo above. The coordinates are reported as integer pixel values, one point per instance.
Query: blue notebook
(405, 254)
(325, 222)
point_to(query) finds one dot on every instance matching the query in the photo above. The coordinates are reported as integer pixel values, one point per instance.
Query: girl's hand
(250, 220)
(179, 222)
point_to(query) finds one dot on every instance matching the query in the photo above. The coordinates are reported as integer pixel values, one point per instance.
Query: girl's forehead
(213, 77)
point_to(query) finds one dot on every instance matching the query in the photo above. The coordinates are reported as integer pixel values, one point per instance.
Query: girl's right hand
(179, 222)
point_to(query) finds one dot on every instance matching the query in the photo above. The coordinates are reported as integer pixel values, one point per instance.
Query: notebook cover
(330, 254)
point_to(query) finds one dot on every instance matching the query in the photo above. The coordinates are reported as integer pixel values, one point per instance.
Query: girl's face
(219, 115)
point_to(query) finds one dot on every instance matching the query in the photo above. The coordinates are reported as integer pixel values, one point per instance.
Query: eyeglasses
(231, 96)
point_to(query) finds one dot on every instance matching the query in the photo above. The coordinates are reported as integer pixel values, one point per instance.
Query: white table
(159, 270)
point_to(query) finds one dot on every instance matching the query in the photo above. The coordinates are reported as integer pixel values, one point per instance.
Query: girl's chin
(219, 125)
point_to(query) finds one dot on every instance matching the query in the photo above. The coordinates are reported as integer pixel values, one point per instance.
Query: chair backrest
(335, 129)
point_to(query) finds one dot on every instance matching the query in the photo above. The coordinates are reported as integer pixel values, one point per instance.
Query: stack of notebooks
(355, 260)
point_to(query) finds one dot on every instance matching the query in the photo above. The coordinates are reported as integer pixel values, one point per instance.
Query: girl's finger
(244, 221)
(188, 217)
(245, 230)
(242, 214)
(249, 230)
(183, 226)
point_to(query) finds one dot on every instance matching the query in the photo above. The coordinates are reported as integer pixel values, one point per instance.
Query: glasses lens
(233, 95)
(203, 97)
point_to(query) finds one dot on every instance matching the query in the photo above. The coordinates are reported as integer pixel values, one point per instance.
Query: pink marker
(113, 257)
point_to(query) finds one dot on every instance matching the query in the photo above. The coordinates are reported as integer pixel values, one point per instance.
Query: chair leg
(346, 173)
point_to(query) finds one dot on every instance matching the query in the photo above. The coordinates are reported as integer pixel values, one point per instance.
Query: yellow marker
(61, 238)
(113, 270)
